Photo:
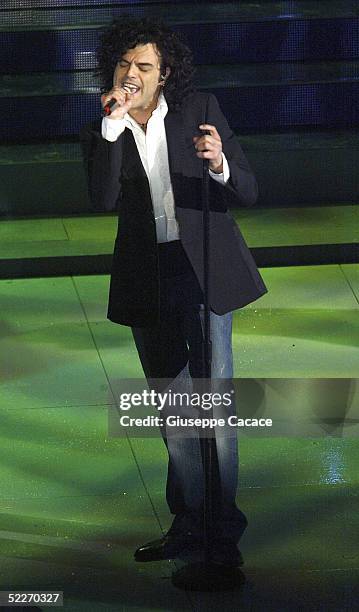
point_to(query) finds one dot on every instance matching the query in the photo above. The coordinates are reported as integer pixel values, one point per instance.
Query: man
(146, 160)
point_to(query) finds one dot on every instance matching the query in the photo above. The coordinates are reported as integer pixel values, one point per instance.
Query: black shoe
(167, 547)
(225, 552)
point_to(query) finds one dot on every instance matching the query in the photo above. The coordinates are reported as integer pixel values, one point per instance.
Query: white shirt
(152, 148)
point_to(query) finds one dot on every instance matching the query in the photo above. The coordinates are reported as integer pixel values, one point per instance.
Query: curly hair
(126, 33)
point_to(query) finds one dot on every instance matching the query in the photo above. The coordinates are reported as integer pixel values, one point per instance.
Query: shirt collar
(162, 107)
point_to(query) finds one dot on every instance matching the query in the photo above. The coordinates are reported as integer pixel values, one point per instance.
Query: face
(140, 66)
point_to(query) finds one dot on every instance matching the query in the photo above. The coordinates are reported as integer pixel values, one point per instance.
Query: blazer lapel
(135, 184)
(176, 150)
(133, 164)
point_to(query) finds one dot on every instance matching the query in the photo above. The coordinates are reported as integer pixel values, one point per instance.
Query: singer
(144, 159)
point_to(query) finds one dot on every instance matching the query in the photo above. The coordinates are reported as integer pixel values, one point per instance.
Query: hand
(209, 146)
(123, 98)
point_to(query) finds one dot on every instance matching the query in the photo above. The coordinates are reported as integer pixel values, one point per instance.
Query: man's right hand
(123, 98)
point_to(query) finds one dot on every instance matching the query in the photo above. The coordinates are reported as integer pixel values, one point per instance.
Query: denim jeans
(173, 351)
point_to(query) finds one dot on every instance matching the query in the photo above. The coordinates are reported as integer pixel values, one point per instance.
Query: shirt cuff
(111, 129)
(223, 177)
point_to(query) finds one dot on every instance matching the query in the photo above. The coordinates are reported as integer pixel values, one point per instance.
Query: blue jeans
(173, 351)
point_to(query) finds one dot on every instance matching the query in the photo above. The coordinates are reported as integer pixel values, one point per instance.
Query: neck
(142, 115)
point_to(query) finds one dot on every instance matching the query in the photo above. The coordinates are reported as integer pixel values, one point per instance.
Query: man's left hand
(209, 146)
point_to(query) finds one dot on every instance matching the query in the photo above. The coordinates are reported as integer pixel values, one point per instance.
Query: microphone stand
(207, 575)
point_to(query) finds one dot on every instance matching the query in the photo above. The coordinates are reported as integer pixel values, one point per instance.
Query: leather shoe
(167, 547)
(225, 552)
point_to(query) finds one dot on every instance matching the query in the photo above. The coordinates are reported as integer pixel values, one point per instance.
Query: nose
(132, 71)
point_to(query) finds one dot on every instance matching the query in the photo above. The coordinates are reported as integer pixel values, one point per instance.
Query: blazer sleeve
(241, 188)
(103, 190)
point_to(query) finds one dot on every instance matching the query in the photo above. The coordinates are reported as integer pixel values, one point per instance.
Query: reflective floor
(94, 235)
(75, 503)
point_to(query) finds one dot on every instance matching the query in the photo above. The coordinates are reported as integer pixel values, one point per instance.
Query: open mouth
(130, 87)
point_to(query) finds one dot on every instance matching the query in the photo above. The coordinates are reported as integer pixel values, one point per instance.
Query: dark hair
(126, 33)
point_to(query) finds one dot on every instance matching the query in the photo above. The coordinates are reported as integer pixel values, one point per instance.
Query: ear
(165, 75)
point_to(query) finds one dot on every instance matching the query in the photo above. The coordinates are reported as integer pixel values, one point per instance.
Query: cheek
(152, 85)
(118, 76)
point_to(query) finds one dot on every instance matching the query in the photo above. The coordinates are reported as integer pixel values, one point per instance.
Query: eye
(123, 63)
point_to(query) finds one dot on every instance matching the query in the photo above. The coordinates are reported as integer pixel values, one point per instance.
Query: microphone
(109, 107)
(112, 104)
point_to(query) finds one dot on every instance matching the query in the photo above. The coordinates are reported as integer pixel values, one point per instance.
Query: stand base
(208, 577)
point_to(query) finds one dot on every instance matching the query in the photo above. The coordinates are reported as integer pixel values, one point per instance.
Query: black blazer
(117, 180)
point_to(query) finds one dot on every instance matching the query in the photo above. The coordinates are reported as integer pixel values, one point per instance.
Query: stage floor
(94, 235)
(76, 503)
